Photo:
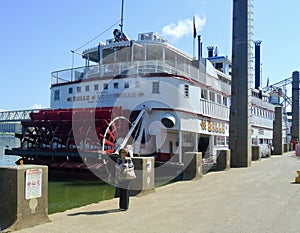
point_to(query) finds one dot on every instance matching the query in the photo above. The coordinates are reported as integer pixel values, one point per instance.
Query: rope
(98, 36)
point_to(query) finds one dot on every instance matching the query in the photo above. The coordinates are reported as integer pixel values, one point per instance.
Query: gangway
(16, 115)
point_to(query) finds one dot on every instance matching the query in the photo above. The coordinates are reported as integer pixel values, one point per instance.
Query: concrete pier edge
(245, 193)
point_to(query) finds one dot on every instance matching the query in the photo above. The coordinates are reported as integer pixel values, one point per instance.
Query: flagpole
(122, 19)
(194, 36)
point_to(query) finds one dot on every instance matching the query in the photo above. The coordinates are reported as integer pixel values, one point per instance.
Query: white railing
(18, 115)
(138, 68)
(214, 110)
(261, 121)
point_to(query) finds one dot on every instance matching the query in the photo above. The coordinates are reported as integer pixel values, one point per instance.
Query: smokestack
(257, 63)
(199, 48)
(210, 51)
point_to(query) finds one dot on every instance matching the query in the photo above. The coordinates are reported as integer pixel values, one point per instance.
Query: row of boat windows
(208, 95)
(96, 87)
(262, 113)
(224, 141)
(221, 140)
(116, 85)
(257, 141)
(205, 94)
(214, 97)
(259, 95)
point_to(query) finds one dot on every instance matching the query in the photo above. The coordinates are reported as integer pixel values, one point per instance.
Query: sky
(37, 36)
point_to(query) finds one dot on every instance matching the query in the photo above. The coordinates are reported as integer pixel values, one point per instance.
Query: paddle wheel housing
(74, 138)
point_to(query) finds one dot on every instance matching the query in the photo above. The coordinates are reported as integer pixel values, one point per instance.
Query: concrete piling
(277, 131)
(144, 182)
(223, 160)
(256, 155)
(192, 165)
(24, 196)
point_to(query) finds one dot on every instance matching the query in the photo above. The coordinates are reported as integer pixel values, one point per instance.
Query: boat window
(70, 90)
(204, 94)
(56, 95)
(261, 141)
(155, 87)
(96, 87)
(123, 54)
(139, 53)
(116, 85)
(105, 86)
(219, 66)
(78, 89)
(186, 90)
(212, 96)
(224, 101)
(220, 141)
(154, 52)
(171, 148)
(254, 141)
(227, 141)
(126, 85)
(219, 99)
(87, 88)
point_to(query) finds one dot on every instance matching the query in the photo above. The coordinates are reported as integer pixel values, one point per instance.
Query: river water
(62, 194)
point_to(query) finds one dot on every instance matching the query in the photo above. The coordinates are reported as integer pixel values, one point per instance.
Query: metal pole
(121, 24)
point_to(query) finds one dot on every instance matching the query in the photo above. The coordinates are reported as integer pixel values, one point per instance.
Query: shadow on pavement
(96, 212)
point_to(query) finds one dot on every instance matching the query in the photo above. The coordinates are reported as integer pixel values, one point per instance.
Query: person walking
(124, 174)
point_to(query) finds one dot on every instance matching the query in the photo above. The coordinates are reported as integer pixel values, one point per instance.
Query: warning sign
(33, 183)
(148, 165)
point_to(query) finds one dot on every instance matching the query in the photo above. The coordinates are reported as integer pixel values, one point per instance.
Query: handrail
(17, 115)
(139, 68)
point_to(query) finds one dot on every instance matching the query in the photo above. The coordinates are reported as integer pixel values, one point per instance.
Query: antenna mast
(121, 24)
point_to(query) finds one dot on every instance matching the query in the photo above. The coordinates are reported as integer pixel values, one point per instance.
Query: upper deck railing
(214, 110)
(140, 68)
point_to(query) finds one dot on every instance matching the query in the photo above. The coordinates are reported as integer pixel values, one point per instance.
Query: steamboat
(145, 95)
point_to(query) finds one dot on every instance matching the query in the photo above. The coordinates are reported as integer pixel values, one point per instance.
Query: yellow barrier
(297, 179)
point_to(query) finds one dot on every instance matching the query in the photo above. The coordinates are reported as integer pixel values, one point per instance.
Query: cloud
(37, 106)
(183, 28)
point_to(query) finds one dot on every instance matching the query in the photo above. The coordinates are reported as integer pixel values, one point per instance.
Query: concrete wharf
(260, 198)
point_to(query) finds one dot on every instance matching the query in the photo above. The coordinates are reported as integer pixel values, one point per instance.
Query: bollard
(256, 154)
(223, 160)
(285, 147)
(144, 181)
(24, 196)
(297, 179)
(192, 165)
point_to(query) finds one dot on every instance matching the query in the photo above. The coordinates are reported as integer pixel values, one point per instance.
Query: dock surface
(261, 198)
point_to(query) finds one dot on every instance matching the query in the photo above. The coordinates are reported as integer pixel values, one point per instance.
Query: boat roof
(144, 39)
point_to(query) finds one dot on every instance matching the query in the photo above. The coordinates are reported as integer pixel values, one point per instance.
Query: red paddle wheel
(73, 138)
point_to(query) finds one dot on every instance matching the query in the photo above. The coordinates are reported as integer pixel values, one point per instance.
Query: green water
(68, 194)
(64, 195)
